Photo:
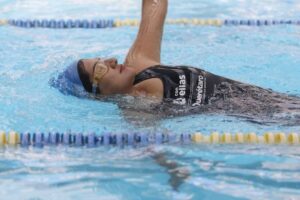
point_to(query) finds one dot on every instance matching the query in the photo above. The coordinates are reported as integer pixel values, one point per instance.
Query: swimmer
(179, 89)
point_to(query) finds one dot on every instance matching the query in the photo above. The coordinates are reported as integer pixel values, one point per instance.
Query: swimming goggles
(99, 70)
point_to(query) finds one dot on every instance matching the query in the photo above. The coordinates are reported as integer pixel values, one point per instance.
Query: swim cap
(84, 77)
(68, 82)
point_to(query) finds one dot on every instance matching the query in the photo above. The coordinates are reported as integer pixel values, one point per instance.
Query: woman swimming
(176, 89)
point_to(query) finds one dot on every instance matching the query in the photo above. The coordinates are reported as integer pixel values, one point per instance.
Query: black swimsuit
(183, 85)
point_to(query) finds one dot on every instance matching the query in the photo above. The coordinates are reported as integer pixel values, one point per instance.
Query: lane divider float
(143, 139)
(3, 22)
(110, 23)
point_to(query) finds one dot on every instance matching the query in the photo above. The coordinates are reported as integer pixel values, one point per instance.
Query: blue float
(25, 139)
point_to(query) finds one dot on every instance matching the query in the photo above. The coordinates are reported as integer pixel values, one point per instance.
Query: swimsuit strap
(146, 74)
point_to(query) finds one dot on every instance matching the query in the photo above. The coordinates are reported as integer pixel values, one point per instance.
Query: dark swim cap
(69, 81)
(84, 77)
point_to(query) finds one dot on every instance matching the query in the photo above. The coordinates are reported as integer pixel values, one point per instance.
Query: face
(109, 76)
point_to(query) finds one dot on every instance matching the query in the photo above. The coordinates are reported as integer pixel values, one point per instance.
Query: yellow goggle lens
(99, 72)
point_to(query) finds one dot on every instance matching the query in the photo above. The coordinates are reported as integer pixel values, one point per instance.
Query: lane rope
(110, 23)
(3, 22)
(144, 139)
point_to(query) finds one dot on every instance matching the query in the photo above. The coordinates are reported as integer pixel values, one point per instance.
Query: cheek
(118, 83)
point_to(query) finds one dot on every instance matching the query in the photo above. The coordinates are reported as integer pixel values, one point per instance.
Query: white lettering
(182, 85)
(180, 91)
(199, 90)
(176, 92)
(179, 101)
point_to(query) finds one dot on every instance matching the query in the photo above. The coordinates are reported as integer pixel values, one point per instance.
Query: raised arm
(145, 50)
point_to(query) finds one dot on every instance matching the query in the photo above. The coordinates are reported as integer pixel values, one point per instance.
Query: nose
(113, 62)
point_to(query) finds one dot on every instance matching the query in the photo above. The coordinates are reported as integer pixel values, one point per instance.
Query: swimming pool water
(264, 56)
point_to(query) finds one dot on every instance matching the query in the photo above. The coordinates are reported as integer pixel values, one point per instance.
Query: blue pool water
(265, 56)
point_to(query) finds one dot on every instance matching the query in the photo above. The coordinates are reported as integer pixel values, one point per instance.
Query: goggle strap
(94, 89)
